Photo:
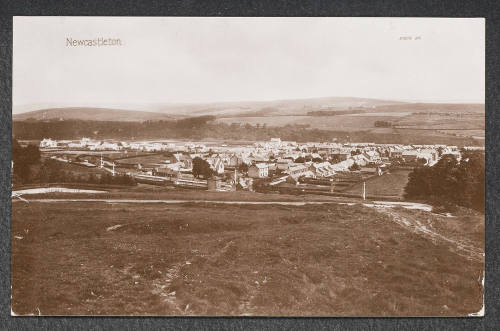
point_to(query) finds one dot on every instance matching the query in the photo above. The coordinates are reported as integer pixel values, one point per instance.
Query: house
(431, 155)
(372, 156)
(166, 172)
(456, 154)
(48, 143)
(315, 156)
(185, 159)
(217, 164)
(234, 161)
(360, 159)
(343, 165)
(85, 141)
(259, 170)
(276, 142)
(283, 164)
(297, 170)
(396, 154)
(322, 169)
(110, 146)
(257, 159)
(410, 156)
(74, 145)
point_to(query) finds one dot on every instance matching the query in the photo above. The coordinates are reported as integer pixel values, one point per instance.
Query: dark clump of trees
(194, 122)
(243, 167)
(337, 112)
(450, 183)
(24, 159)
(53, 171)
(201, 168)
(355, 167)
(261, 186)
(383, 124)
(30, 168)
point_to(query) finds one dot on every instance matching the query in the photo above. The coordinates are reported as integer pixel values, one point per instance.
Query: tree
(201, 168)
(440, 151)
(260, 186)
(243, 167)
(450, 182)
(335, 158)
(471, 171)
(354, 167)
(383, 124)
(24, 158)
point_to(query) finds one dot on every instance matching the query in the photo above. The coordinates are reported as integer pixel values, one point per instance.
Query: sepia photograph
(248, 166)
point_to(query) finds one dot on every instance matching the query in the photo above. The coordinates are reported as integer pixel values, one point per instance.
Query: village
(330, 168)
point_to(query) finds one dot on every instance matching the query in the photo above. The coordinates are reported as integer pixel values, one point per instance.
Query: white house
(322, 169)
(259, 170)
(217, 164)
(48, 143)
(298, 170)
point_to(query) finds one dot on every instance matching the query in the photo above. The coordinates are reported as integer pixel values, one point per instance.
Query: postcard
(248, 166)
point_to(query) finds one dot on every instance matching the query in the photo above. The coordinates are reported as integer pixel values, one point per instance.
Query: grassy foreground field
(76, 258)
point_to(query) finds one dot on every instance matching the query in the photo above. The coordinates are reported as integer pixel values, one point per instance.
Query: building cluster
(274, 160)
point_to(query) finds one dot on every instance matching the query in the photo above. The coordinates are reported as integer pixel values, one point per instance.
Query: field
(86, 258)
(443, 127)
(334, 123)
(145, 159)
(391, 184)
(152, 192)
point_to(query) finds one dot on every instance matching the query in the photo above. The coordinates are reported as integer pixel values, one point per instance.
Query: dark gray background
(422, 8)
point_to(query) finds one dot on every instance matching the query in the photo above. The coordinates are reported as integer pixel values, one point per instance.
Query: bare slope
(274, 107)
(94, 114)
(196, 259)
(155, 111)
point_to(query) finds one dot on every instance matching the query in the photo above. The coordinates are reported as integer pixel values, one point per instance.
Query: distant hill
(464, 108)
(166, 111)
(272, 108)
(304, 106)
(219, 109)
(94, 114)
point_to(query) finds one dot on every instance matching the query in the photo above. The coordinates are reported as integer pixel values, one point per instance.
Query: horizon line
(110, 105)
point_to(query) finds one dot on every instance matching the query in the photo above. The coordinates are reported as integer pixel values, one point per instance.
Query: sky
(196, 60)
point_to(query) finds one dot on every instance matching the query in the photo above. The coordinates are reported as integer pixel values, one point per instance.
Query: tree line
(450, 182)
(196, 128)
(30, 168)
(205, 127)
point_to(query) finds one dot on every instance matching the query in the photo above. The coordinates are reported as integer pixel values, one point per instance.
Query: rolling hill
(140, 112)
(245, 109)
(94, 114)
(272, 108)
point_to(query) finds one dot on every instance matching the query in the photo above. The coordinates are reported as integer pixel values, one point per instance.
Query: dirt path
(417, 226)
(376, 204)
(43, 190)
